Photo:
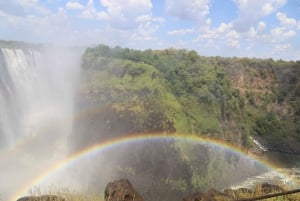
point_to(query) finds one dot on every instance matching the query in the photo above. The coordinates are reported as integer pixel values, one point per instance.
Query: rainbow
(136, 138)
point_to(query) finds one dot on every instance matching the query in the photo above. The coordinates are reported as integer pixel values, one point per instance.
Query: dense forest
(180, 91)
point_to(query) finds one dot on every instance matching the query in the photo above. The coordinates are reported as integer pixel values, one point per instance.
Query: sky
(229, 28)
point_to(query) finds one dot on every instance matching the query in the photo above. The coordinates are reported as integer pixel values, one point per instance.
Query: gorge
(140, 110)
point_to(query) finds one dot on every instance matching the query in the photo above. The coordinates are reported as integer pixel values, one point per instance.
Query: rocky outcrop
(42, 198)
(266, 188)
(237, 194)
(210, 195)
(241, 192)
(121, 190)
(285, 146)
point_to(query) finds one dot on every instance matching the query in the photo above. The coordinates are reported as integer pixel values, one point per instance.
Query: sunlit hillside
(178, 90)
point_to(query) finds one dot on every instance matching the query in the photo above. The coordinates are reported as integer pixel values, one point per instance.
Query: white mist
(37, 88)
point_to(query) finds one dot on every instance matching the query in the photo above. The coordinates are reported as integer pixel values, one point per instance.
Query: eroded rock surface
(210, 195)
(121, 190)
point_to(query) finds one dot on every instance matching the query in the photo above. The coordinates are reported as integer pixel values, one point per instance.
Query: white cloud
(268, 8)
(130, 5)
(131, 23)
(143, 18)
(276, 31)
(264, 6)
(125, 15)
(233, 43)
(216, 33)
(248, 30)
(124, 21)
(285, 31)
(222, 35)
(23, 7)
(261, 26)
(147, 28)
(73, 5)
(189, 10)
(102, 15)
(90, 11)
(145, 31)
(224, 27)
(289, 34)
(181, 32)
(33, 4)
(251, 11)
(2, 14)
(148, 17)
(232, 39)
(285, 21)
(281, 34)
(233, 34)
(252, 33)
(282, 47)
(285, 46)
(53, 27)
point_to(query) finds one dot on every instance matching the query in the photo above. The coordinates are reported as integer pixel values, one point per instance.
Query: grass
(258, 191)
(69, 195)
(65, 193)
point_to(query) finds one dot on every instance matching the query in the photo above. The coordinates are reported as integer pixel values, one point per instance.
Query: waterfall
(37, 87)
(258, 144)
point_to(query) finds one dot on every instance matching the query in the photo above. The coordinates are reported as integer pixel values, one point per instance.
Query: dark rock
(210, 195)
(238, 193)
(121, 190)
(284, 145)
(193, 197)
(42, 198)
(266, 188)
(245, 190)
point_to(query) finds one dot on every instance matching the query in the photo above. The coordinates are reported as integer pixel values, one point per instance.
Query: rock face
(210, 195)
(121, 190)
(230, 194)
(266, 188)
(42, 198)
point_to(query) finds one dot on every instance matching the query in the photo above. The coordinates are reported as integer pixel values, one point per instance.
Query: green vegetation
(131, 91)
(63, 194)
(178, 90)
(211, 194)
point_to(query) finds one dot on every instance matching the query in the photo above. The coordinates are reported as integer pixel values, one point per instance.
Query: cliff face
(270, 91)
(125, 91)
(180, 91)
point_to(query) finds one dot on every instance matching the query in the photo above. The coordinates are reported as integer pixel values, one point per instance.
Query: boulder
(121, 190)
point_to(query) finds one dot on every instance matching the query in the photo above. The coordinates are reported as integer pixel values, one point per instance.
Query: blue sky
(241, 28)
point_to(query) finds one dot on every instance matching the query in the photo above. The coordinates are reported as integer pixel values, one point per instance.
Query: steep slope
(180, 91)
(270, 91)
(126, 91)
